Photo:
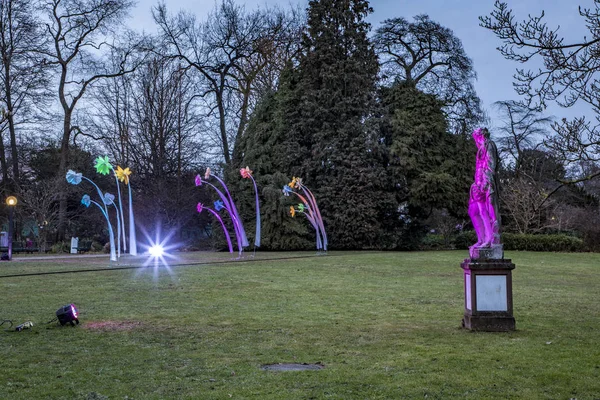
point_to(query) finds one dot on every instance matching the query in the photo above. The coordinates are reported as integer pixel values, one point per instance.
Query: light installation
(309, 208)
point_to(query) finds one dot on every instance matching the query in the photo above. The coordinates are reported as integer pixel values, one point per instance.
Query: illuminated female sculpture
(483, 201)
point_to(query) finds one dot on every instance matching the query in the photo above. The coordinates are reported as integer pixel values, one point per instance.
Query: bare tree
(21, 75)
(569, 73)
(77, 31)
(526, 207)
(430, 57)
(522, 128)
(149, 121)
(40, 203)
(230, 51)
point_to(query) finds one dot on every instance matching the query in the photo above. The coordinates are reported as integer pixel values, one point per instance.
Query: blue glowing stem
(118, 230)
(113, 255)
(132, 239)
(100, 194)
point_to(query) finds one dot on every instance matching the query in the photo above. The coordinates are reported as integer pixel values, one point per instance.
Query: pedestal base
(493, 252)
(488, 295)
(489, 323)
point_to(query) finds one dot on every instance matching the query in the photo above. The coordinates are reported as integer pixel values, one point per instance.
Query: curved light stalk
(113, 254)
(132, 239)
(120, 211)
(224, 229)
(257, 231)
(234, 211)
(234, 219)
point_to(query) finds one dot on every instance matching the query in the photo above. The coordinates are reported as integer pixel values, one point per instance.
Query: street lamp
(11, 202)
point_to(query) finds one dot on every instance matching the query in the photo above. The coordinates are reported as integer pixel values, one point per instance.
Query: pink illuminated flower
(246, 173)
(198, 180)
(200, 207)
(207, 173)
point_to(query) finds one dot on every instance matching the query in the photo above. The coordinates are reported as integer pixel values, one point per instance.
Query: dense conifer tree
(321, 127)
(431, 168)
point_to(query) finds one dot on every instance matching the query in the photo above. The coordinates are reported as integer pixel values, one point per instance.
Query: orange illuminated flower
(292, 211)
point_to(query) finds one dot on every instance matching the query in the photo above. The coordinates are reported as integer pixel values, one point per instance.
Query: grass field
(384, 325)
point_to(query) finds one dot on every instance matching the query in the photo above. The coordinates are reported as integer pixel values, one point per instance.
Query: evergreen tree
(431, 168)
(338, 75)
(270, 150)
(319, 126)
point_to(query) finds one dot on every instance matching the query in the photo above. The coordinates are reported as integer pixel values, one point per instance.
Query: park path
(58, 257)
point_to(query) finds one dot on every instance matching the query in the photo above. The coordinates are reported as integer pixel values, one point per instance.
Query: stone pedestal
(488, 295)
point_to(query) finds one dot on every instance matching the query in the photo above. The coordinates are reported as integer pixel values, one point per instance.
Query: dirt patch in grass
(112, 326)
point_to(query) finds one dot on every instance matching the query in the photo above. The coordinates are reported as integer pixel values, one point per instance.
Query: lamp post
(11, 202)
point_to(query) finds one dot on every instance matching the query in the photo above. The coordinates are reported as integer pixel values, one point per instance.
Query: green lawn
(385, 325)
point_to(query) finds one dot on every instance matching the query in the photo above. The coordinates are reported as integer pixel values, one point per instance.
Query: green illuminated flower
(103, 166)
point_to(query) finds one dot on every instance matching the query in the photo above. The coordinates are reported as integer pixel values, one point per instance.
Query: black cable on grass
(170, 265)
(7, 320)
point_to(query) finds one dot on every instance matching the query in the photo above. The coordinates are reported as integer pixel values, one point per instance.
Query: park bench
(20, 247)
(84, 246)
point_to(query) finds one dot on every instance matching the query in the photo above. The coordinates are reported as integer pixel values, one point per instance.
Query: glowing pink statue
(483, 201)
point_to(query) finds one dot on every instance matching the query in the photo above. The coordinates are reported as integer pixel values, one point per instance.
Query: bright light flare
(159, 250)
(156, 251)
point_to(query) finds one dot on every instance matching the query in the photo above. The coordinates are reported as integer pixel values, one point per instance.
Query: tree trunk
(223, 128)
(62, 171)
(3, 162)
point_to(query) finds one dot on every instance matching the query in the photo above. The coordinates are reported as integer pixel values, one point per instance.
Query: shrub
(528, 242)
(96, 246)
(434, 242)
(60, 247)
(463, 240)
(563, 243)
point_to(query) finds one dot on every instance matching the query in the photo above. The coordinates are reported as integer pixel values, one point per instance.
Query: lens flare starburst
(159, 250)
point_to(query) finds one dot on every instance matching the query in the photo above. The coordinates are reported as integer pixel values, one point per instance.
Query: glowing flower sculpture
(219, 205)
(198, 182)
(73, 177)
(86, 201)
(123, 176)
(309, 208)
(247, 174)
(227, 202)
(103, 166)
(200, 207)
(109, 199)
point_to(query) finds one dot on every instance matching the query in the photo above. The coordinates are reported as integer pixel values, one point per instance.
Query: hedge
(528, 242)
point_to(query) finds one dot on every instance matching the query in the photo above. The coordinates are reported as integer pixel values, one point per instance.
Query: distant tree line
(376, 122)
